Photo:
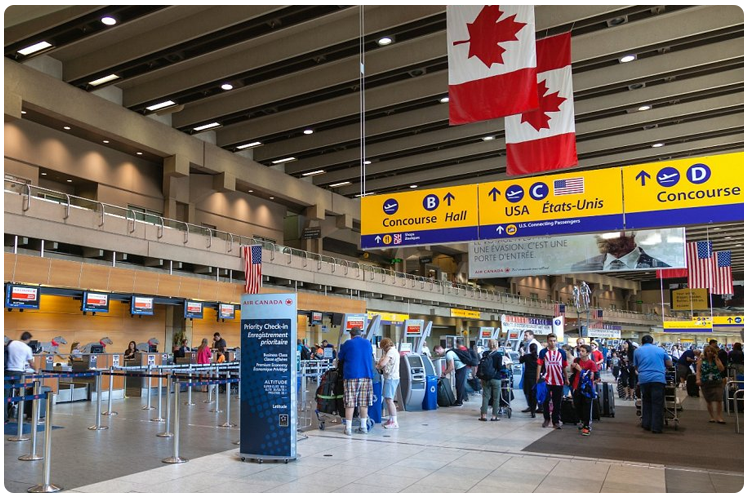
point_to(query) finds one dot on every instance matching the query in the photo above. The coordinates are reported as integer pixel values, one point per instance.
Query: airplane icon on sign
(388, 208)
(511, 195)
(666, 177)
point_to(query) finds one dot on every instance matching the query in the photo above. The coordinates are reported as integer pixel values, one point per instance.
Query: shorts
(357, 392)
(683, 371)
(389, 388)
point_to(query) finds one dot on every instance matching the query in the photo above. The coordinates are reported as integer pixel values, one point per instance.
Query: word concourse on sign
(440, 215)
(685, 191)
(545, 205)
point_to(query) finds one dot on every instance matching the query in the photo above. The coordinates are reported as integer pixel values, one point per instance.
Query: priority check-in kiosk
(415, 367)
(485, 334)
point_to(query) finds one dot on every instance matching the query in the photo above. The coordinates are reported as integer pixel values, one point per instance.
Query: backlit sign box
(226, 311)
(142, 305)
(21, 297)
(95, 302)
(193, 310)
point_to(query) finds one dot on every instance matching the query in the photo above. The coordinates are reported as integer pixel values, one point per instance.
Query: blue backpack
(586, 385)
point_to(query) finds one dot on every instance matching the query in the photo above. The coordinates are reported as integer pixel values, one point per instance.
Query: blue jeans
(461, 376)
(652, 407)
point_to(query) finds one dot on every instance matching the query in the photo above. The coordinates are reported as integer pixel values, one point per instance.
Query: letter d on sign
(699, 173)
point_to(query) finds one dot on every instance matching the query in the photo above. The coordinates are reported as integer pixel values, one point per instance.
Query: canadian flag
(491, 61)
(545, 138)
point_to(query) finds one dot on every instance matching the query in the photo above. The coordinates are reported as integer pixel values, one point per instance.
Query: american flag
(253, 268)
(559, 310)
(700, 264)
(568, 186)
(723, 273)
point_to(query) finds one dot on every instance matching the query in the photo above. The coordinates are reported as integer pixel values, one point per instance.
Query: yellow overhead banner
(421, 217)
(731, 321)
(697, 325)
(689, 299)
(568, 203)
(685, 191)
(471, 314)
(387, 316)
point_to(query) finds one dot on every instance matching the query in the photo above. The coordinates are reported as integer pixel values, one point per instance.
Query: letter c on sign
(539, 191)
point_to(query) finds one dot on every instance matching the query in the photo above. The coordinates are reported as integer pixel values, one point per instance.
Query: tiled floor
(443, 451)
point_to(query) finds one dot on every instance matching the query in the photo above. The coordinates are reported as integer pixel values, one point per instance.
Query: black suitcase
(568, 412)
(606, 397)
(445, 394)
(692, 386)
(330, 394)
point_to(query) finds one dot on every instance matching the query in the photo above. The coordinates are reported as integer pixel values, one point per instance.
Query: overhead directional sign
(729, 321)
(567, 203)
(696, 325)
(686, 191)
(440, 215)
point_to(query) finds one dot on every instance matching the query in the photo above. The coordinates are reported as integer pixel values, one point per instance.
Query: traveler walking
(684, 364)
(552, 369)
(390, 364)
(530, 364)
(585, 375)
(651, 363)
(709, 378)
(737, 358)
(356, 354)
(489, 372)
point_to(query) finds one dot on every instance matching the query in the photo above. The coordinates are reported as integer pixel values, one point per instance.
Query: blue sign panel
(268, 406)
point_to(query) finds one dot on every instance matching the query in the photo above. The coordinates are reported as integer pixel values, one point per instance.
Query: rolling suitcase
(692, 386)
(568, 413)
(606, 397)
(445, 394)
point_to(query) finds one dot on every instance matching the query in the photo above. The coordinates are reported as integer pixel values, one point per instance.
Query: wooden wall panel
(121, 279)
(169, 285)
(32, 269)
(146, 283)
(208, 290)
(94, 276)
(10, 265)
(63, 272)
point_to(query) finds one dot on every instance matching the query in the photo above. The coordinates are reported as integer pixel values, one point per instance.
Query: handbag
(541, 392)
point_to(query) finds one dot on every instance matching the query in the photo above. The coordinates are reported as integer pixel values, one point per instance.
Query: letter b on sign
(431, 202)
(698, 174)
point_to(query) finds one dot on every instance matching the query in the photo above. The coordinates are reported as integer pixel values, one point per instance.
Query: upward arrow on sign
(642, 177)
(494, 193)
(449, 197)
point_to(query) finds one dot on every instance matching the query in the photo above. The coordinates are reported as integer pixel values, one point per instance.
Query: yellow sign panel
(696, 190)
(697, 325)
(731, 321)
(471, 314)
(567, 203)
(421, 217)
(387, 316)
(689, 299)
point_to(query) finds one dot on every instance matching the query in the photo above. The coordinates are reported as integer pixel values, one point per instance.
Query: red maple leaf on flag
(539, 118)
(486, 34)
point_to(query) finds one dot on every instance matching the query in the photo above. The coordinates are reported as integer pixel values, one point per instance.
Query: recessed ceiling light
(488, 138)
(413, 186)
(34, 48)
(249, 191)
(444, 99)
(69, 181)
(159, 106)
(313, 173)
(206, 126)
(308, 131)
(67, 128)
(249, 145)
(340, 184)
(227, 87)
(44, 174)
(109, 20)
(385, 41)
(285, 159)
(23, 112)
(628, 58)
(139, 153)
(104, 80)
(657, 145)
(105, 141)
(644, 108)
(272, 197)
(367, 162)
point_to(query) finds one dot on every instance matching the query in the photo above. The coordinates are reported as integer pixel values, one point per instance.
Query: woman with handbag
(389, 365)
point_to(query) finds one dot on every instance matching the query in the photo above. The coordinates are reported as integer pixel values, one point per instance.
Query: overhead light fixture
(444, 99)
(23, 112)
(313, 173)
(104, 80)
(340, 184)
(657, 145)
(139, 153)
(67, 128)
(69, 181)
(364, 194)
(643, 108)
(488, 138)
(272, 197)
(413, 186)
(367, 162)
(249, 191)
(227, 87)
(109, 20)
(308, 131)
(39, 46)
(105, 141)
(206, 126)
(159, 106)
(44, 174)
(285, 159)
(249, 145)
(628, 58)
(385, 41)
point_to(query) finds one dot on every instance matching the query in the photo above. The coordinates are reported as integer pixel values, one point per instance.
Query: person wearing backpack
(585, 376)
(453, 363)
(488, 372)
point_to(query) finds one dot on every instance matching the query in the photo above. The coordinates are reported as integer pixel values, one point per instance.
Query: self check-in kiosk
(485, 334)
(413, 372)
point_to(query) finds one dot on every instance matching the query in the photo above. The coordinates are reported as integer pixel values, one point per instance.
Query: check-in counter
(137, 385)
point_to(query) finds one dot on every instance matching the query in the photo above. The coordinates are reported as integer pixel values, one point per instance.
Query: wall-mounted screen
(18, 296)
(95, 302)
(142, 305)
(337, 319)
(316, 318)
(226, 311)
(193, 310)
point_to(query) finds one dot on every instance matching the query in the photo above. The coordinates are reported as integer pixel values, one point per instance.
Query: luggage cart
(672, 403)
(506, 389)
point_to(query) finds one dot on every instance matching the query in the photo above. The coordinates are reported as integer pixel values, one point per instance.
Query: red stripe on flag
(553, 53)
(722, 279)
(671, 273)
(554, 152)
(490, 98)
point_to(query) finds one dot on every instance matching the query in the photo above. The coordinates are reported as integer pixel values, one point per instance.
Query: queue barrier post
(166, 433)
(148, 391)
(20, 437)
(228, 401)
(98, 426)
(158, 398)
(190, 388)
(109, 411)
(210, 388)
(175, 458)
(32, 456)
(217, 405)
(46, 486)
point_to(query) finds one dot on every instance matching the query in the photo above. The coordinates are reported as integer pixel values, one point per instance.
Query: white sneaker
(362, 430)
(391, 425)
(348, 432)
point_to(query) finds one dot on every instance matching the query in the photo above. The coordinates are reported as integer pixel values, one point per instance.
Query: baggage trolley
(506, 390)
(329, 398)
(672, 403)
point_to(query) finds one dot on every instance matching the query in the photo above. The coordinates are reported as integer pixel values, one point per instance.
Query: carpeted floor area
(621, 438)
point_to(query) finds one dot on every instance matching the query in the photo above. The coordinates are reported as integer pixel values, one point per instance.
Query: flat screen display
(316, 318)
(95, 302)
(142, 305)
(193, 310)
(18, 296)
(226, 311)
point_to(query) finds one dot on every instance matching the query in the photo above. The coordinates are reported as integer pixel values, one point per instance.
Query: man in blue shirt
(651, 363)
(356, 357)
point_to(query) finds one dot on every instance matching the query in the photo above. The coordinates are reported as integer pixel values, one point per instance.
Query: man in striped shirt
(554, 363)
